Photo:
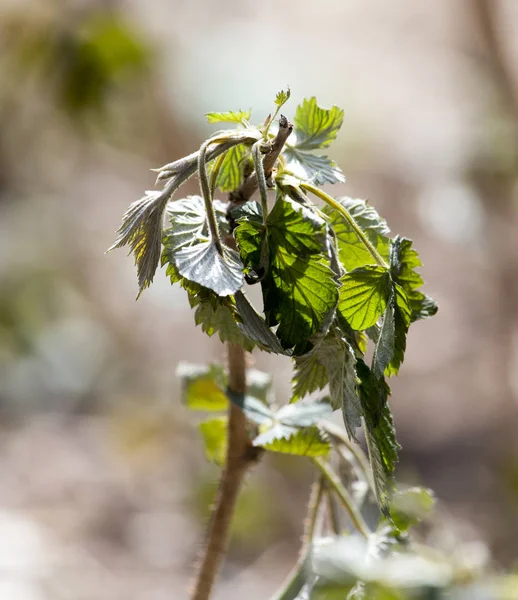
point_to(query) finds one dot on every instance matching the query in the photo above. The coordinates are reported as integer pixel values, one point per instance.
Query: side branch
(250, 184)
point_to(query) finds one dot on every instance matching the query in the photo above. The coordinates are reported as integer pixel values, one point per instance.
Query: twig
(250, 184)
(296, 578)
(343, 495)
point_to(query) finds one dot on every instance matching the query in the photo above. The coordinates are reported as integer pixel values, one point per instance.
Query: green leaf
(316, 127)
(231, 172)
(203, 264)
(300, 290)
(309, 376)
(364, 295)
(351, 250)
(317, 169)
(282, 97)
(254, 327)
(254, 409)
(196, 257)
(402, 317)
(331, 362)
(303, 414)
(215, 434)
(411, 506)
(336, 354)
(403, 262)
(259, 384)
(221, 319)
(384, 349)
(240, 116)
(203, 386)
(379, 432)
(309, 441)
(141, 229)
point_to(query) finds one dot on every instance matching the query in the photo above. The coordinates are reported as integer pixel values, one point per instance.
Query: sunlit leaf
(315, 168)
(403, 262)
(364, 295)
(380, 433)
(411, 506)
(300, 288)
(195, 255)
(308, 441)
(221, 319)
(254, 326)
(141, 229)
(303, 414)
(231, 174)
(214, 433)
(203, 386)
(351, 249)
(316, 127)
(282, 97)
(240, 117)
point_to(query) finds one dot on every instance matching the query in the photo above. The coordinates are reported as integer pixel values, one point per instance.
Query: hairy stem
(261, 179)
(240, 455)
(345, 214)
(207, 196)
(335, 484)
(296, 579)
(250, 184)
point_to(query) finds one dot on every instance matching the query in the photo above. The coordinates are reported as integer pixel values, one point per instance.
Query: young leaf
(141, 229)
(214, 433)
(197, 258)
(402, 318)
(364, 295)
(384, 349)
(259, 384)
(302, 442)
(336, 354)
(221, 319)
(230, 174)
(316, 127)
(205, 265)
(303, 414)
(239, 117)
(282, 97)
(411, 506)
(318, 169)
(351, 250)
(403, 262)
(379, 432)
(254, 409)
(202, 386)
(309, 376)
(300, 289)
(254, 326)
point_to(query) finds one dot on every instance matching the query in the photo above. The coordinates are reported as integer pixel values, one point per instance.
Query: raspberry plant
(333, 283)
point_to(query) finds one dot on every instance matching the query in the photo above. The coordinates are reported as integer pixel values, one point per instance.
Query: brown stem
(250, 184)
(240, 455)
(240, 452)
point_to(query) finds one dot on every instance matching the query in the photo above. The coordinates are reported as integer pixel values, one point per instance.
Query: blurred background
(104, 486)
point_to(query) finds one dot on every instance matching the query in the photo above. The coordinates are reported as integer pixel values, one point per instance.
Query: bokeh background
(104, 489)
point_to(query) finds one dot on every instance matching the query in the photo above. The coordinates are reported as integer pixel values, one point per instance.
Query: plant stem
(207, 196)
(261, 179)
(240, 455)
(347, 502)
(341, 439)
(345, 214)
(296, 578)
(250, 184)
